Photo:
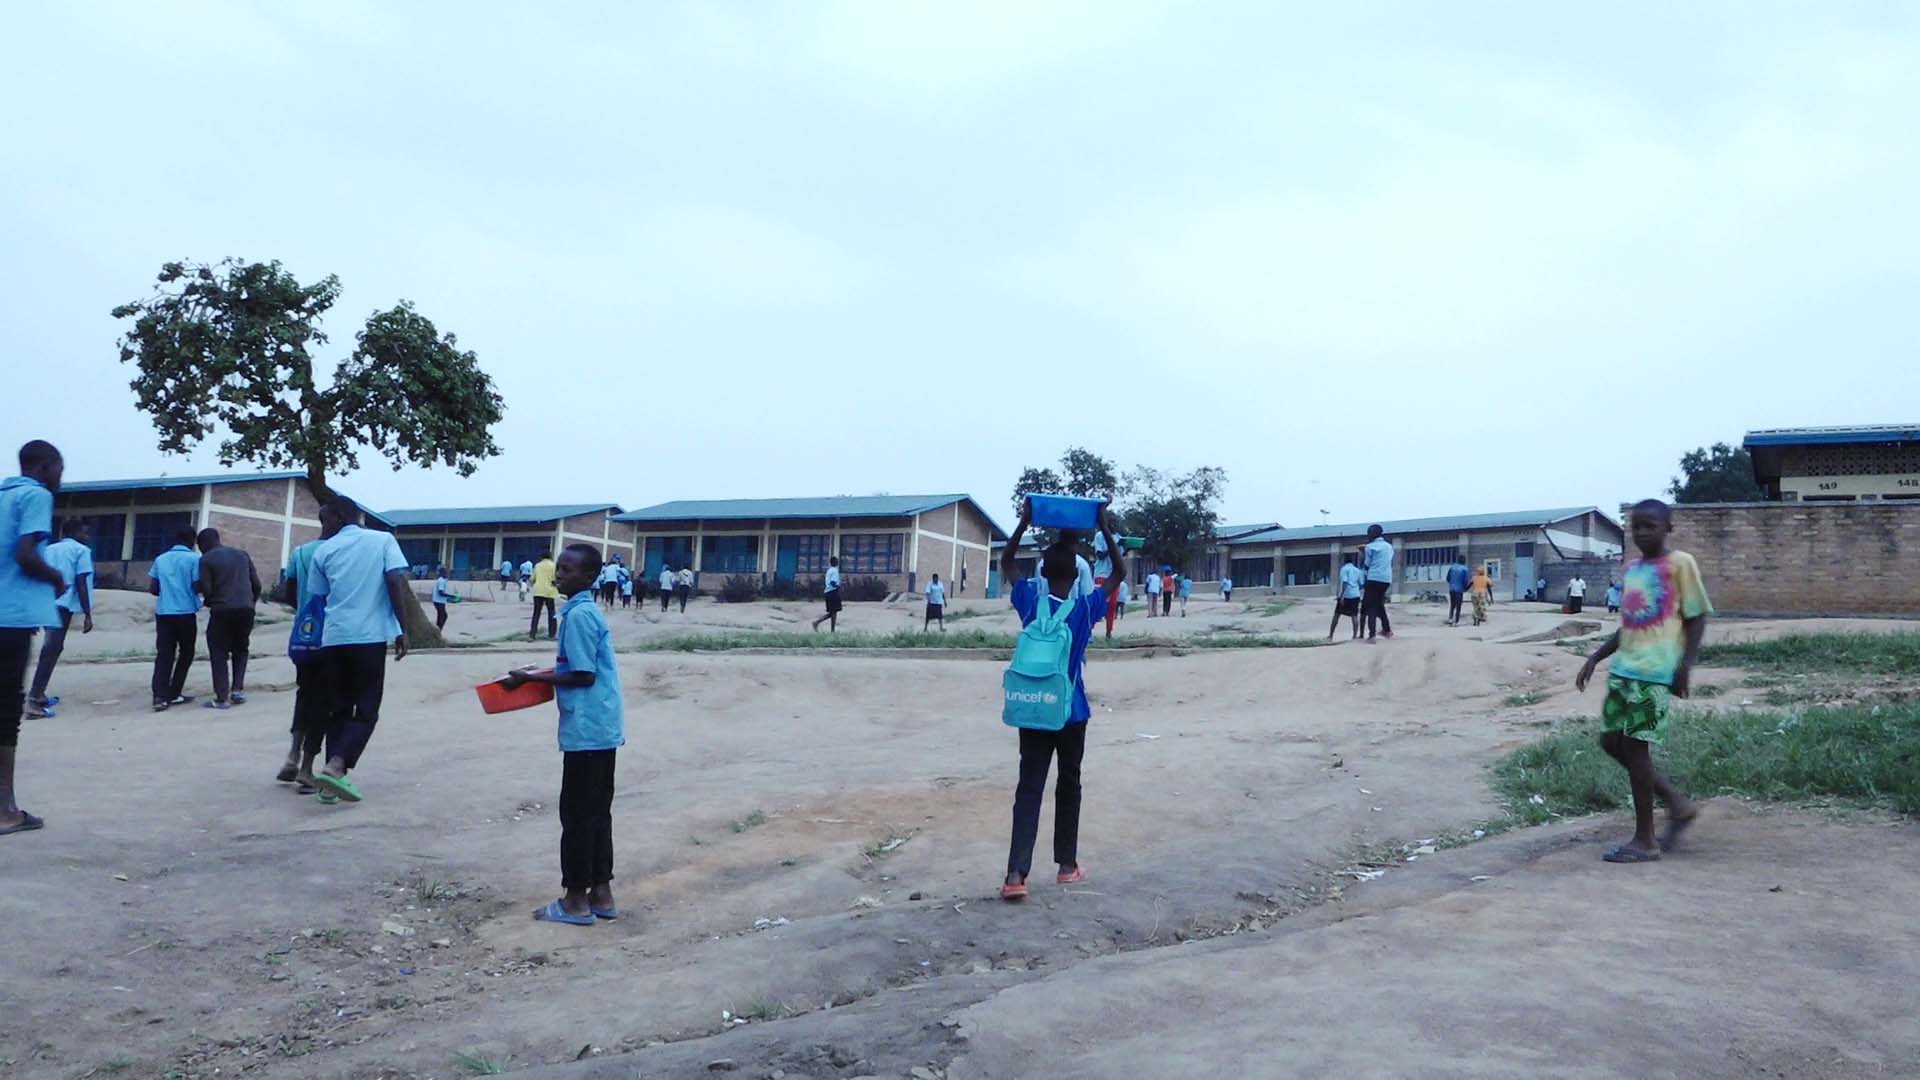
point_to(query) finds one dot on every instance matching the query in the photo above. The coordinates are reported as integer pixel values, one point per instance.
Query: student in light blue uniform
(175, 580)
(586, 684)
(363, 575)
(442, 596)
(1373, 602)
(71, 556)
(1347, 595)
(28, 587)
(936, 605)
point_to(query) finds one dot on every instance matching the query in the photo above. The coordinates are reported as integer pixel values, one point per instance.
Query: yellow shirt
(543, 580)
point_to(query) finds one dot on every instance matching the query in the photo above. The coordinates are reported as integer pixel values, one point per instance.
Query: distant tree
(1176, 514)
(227, 347)
(1714, 474)
(1036, 482)
(1088, 475)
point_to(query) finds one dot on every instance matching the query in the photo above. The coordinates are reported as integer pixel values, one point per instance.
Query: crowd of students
(349, 588)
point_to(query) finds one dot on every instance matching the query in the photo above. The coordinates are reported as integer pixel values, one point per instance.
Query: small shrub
(740, 589)
(791, 589)
(865, 588)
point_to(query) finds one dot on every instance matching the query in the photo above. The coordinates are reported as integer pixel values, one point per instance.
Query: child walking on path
(592, 729)
(1663, 616)
(1481, 588)
(1069, 744)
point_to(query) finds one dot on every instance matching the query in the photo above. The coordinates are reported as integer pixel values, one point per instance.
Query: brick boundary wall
(1796, 558)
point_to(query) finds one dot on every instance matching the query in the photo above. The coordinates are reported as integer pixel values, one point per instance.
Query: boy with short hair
(666, 587)
(832, 595)
(71, 556)
(1347, 595)
(545, 595)
(586, 685)
(442, 596)
(1186, 593)
(1061, 576)
(936, 605)
(1226, 590)
(1379, 568)
(1153, 596)
(28, 587)
(1663, 616)
(1613, 598)
(1458, 577)
(174, 581)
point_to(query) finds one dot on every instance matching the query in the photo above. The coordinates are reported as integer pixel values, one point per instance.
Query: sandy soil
(183, 913)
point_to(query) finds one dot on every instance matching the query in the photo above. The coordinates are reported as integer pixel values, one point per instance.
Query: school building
(903, 539)
(131, 521)
(1874, 463)
(1518, 548)
(472, 542)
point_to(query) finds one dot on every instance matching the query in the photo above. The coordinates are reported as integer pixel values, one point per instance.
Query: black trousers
(1373, 607)
(1574, 603)
(15, 643)
(229, 636)
(359, 681)
(439, 615)
(683, 591)
(666, 598)
(1453, 605)
(586, 818)
(51, 647)
(174, 637)
(1037, 751)
(1166, 602)
(533, 624)
(312, 704)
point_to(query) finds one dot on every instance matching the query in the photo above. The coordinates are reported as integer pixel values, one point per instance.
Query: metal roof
(1228, 532)
(835, 506)
(1512, 519)
(1802, 436)
(78, 486)
(491, 515)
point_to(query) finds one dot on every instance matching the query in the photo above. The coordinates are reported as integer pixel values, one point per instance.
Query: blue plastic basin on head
(1065, 512)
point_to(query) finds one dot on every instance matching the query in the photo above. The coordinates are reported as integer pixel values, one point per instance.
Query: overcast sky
(1412, 259)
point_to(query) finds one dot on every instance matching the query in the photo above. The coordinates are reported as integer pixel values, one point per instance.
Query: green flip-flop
(337, 785)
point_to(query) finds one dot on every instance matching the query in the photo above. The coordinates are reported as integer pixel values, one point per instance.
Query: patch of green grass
(884, 846)
(1868, 755)
(695, 841)
(789, 861)
(751, 821)
(427, 890)
(1524, 699)
(1225, 640)
(1268, 609)
(956, 614)
(763, 1008)
(476, 1064)
(1706, 692)
(1895, 653)
(116, 1065)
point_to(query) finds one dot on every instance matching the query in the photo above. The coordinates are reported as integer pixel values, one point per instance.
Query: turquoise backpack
(1038, 686)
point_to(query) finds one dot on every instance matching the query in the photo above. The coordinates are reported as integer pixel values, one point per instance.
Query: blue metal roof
(491, 515)
(835, 506)
(1513, 519)
(1229, 532)
(1804, 436)
(78, 486)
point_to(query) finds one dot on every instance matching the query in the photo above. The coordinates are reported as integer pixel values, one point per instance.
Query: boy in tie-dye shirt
(1663, 615)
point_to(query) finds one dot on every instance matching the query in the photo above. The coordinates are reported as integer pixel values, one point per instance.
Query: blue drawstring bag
(309, 627)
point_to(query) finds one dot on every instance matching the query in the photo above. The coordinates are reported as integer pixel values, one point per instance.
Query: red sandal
(1014, 892)
(1072, 877)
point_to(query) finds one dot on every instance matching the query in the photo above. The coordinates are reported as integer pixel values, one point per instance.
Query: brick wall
(258, 537)
(1805, 558)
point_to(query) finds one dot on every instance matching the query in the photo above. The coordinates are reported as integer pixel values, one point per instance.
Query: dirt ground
(807, 848)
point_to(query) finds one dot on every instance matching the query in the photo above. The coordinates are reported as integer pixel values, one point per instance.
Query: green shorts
(1636, 709)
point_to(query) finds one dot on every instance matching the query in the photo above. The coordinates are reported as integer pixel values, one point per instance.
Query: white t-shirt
(1577, 587)
(686, 576)
(666, 578)
(1153, 584)
(833, 578)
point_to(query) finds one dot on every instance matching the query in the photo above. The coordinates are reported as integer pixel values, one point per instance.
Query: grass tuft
(751, 821)
(1524, 699)
(1868, 755)
(478, 1065)
(1854, 654)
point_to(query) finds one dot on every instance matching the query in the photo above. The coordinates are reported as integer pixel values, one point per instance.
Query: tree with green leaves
(1715, 474)
(229, 347)
(1175, 513)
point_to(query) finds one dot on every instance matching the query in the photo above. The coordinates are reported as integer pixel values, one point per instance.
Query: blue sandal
(554, 912)
(607, 913)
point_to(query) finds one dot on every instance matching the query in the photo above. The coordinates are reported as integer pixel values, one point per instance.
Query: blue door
(786, 565)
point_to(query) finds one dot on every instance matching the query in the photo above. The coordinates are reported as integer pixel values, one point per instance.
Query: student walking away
(609, 584)
(312, 681)
(74, 560)
(1347, 595)
(832, 594)
(1481, 587)
(626, 588)
(232, 590)
(544, 597)
(936, 605)
(524, 578)
(683, 587)
(666, 587)
(175, 580)
(1046, 697)
(28, 588)
(1576, 594)
(586, 686)
(1186, 593)
(506, 574)
(1613, 598)
(442, 596)
(1663, 616)
(1226, 590)
(364, 579)
(1457, 578)
(1153, 596)
(1168, 584)
(1379, 566)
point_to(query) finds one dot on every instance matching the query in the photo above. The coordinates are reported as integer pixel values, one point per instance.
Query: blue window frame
(814, 551)
(422, 552)
(730, 555)
(105, 534)
(521, 549)
(473, 558)
(153, 533)
(872, 553)
(674, 551)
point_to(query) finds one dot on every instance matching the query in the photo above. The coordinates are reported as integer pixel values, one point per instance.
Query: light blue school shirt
(441, 594)
(1226, 584)
(506, 568)
(591, 717)
(26, 509)
(1186, 586)
(1351, 577)
(1380, 561)
(350, 570)
(937, 594)
(178, 571)
(526, 569)
(74, 560)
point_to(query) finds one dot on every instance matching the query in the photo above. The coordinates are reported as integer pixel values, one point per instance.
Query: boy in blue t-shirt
(592, 728)
(1061, 575)
(28, 587)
